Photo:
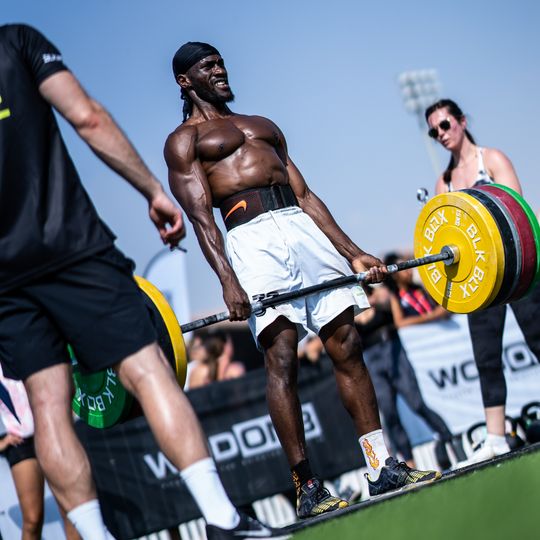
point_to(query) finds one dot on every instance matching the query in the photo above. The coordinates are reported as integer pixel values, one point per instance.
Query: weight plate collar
(535, 226)
(511, 243)
(459, 219)
(526, 236)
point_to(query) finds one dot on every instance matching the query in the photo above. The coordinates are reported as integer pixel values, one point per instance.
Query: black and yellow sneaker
(397, 476)
(313, 499)
(247, 529)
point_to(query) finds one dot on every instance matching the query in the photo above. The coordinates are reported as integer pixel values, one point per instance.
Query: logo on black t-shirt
(4, 113)
(48, 57)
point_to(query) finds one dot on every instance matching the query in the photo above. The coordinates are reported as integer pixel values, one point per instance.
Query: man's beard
(208, 94)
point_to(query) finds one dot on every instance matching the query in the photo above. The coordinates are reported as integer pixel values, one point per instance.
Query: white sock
(496, 440)
(205, 485)
(375, 452)
(88, 521)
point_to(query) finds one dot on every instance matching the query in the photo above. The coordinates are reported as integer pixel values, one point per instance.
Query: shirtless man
(280, 237)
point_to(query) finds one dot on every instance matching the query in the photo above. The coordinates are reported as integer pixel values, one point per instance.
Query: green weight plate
(100, 400)
(533, 220)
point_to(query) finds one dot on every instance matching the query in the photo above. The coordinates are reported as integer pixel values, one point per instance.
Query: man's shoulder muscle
(181, 144)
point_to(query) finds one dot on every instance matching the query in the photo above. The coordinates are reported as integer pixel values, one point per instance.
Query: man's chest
(219, 139)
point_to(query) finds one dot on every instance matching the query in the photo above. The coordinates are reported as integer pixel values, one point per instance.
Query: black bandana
(189, 54)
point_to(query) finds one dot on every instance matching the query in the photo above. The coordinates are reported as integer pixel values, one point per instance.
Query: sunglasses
(444, 125)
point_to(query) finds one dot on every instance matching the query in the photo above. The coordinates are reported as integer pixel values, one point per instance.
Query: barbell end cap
(454, 254)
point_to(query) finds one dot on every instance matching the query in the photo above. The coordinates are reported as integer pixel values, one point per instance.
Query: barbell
(475, 249)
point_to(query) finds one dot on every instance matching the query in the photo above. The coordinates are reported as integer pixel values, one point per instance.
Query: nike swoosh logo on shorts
(241, 204)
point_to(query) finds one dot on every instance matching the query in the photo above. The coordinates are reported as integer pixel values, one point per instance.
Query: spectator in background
(196, 353)
(18, 448)
(310, 349)
(472, 166)
(215, 361)
(401, 303)
(410, 303)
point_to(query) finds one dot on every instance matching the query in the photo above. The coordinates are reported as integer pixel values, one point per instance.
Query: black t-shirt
(47, 220)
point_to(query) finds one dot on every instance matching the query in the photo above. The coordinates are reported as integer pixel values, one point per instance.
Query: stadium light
(419, 90)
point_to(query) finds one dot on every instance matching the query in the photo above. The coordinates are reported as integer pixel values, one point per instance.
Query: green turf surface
(497, 502)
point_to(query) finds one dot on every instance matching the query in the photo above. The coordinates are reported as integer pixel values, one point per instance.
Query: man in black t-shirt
(63, 281)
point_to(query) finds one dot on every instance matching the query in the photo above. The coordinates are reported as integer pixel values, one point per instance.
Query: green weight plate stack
(100, 400)
(533, 220)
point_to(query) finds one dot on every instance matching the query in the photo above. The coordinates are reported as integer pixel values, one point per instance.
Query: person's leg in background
(486, 329)
(69, 528)
(29, 484)
(406, 385)
(527, 313)
(60, 453)
(378, 359)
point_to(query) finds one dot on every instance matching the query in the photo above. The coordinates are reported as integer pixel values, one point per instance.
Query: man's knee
(345, 347)
(50, 394)
(281, 361)
(33, 522)
(141, 368)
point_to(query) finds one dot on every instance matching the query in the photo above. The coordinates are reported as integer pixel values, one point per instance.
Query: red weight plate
(526, 236)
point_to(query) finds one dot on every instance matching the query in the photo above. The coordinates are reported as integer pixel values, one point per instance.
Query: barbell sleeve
(445, 255)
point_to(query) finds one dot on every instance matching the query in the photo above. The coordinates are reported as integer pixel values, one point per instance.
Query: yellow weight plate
(473, 282)
(172, 327)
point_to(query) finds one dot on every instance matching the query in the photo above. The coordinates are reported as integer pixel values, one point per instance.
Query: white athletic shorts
(282, 251)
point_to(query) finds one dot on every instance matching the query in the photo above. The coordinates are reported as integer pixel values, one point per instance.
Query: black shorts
(25, 450)
(95, 305)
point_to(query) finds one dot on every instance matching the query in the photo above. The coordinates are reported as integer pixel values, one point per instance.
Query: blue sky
(325, 72)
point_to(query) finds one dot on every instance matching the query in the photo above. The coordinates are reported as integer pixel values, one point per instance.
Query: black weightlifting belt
(246, 205)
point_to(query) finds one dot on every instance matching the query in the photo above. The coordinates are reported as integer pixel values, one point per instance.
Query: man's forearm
(212, 245)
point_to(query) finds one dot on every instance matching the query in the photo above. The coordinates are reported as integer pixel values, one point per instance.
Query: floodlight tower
(420, 89)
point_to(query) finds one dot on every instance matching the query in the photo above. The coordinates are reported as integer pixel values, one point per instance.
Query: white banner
(167, 272)
(442, 357)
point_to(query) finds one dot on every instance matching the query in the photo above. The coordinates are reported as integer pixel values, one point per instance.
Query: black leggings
(393, 374)
(486, 328)
(22, 452)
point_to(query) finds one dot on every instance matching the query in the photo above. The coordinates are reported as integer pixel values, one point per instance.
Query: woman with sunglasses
(470, 166)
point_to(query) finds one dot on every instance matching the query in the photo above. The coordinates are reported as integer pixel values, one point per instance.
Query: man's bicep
(296, 180)
(188, 183)
(64, 92)
(192, 192)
